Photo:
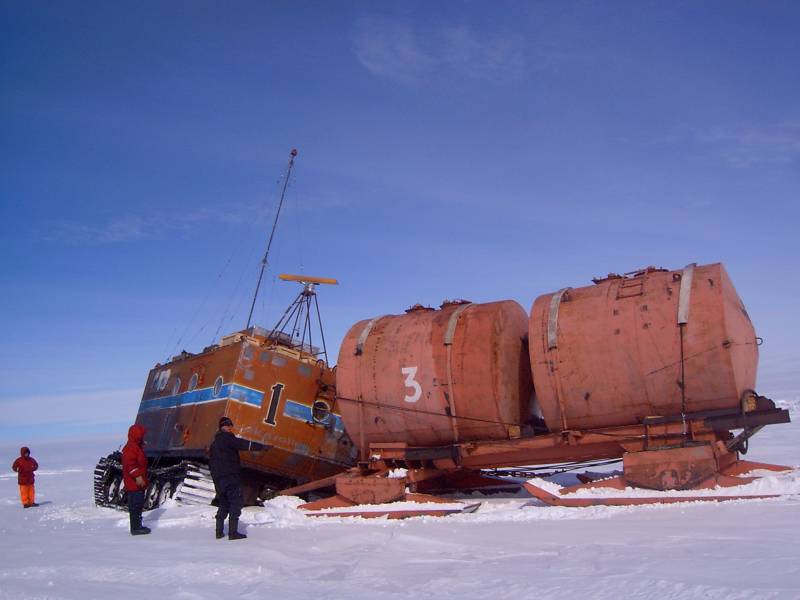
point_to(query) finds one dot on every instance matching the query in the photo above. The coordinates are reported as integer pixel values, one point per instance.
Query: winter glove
(256, 447)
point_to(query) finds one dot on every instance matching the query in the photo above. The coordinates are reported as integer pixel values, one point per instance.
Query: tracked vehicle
(274, 384)
(275, 392)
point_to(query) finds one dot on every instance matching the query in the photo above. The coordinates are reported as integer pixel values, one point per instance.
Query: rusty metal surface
(672, 469)
(605, 443)
(740, 467)
(395, 513)
(370, 490)
(693, 467)
(617, 351)
(399, 380)
(554, 500)
(268, 390)
(655, 456)
(331, 507)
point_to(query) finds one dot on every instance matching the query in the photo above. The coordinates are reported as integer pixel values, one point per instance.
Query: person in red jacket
(24, 466)
(134, 476)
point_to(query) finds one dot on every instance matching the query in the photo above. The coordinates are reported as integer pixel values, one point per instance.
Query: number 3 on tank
(410, 373)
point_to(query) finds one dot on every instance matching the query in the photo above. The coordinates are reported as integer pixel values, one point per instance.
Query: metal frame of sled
(663, 454)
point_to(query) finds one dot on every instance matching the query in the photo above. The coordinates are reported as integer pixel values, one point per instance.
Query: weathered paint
(433, 377)
(617, 352)
(268, 390)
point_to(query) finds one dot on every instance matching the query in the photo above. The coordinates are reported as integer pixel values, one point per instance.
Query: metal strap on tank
(552, 320)
(685, 295)
(451, 324)
(365, 334)
(449, 335)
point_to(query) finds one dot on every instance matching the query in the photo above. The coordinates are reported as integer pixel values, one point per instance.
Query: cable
(567, 467)
(617, 436)
(422, 412)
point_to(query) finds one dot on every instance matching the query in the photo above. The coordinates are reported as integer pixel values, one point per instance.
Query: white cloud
(127, 228)
(390, 49)
(746, 146)
(118, 229)
(494, 58)
(394, 50)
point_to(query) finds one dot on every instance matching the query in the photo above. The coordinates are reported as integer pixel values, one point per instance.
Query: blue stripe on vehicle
(245, 394)
(302, 412)
(338, 424)
(230, 391)
(295, 410)
(237, 393)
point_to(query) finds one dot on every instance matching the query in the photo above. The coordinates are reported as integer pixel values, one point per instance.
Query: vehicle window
(321, 412)
(304, 370)
(278, 361)
(218, 386)
(176, 386)
(192, 382)
(161, 380)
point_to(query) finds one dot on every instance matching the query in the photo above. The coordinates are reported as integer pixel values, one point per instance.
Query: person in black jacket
(226, 471)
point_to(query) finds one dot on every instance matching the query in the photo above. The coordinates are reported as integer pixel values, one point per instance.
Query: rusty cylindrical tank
(433, 377)
(611, 354)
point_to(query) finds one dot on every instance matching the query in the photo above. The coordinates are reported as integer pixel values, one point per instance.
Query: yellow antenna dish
(308, 279)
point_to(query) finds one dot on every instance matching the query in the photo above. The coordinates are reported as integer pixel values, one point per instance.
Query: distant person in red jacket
(24, 466)
(134, 475)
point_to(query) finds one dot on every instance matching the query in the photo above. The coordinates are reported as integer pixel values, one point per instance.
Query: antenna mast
(292, 154)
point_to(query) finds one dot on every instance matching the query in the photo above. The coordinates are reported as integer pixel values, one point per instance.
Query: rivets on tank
(615, 312)
(586, 396)
(643, 308)
(616, 332)
(646, 326)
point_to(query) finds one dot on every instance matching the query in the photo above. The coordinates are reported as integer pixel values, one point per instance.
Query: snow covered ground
(67, 548)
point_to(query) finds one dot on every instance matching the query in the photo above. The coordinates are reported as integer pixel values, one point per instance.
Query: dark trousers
(135, 506)
(229, 497)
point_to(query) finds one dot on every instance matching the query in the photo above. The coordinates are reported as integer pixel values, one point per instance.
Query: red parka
(24, 466)
(134, 462)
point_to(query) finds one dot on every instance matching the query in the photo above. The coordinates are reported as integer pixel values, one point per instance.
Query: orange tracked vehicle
(274, 384)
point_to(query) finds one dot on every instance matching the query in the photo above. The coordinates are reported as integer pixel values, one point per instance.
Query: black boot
(136, 524)
(220, 528)
(141, 531)
(233, 530)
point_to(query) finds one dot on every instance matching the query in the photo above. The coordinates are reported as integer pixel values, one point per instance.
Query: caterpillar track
(187, 482)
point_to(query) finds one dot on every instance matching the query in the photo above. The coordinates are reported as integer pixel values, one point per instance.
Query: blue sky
(461, 149)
